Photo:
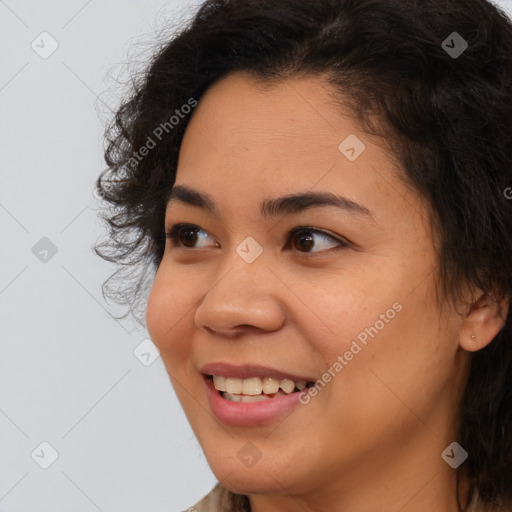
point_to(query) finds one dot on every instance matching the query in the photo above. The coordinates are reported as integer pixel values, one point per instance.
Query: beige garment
(219, 499)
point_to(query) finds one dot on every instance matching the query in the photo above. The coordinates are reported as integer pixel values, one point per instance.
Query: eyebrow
(285, 205)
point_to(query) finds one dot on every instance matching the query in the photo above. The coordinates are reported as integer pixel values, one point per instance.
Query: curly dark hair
(447, 119)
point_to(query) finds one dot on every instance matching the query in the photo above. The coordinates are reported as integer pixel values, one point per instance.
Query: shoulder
(219, 499)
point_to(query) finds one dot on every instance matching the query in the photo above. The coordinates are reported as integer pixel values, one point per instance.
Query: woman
(322, 190)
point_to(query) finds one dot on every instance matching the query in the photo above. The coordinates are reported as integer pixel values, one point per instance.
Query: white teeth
(252, 386)
(270, 385)
(219, 382)
(287, 385)
(255, 386)
(233, 385)
(245, 398)
(232, 398)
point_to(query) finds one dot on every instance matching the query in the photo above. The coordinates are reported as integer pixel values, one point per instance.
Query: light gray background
(68, 372)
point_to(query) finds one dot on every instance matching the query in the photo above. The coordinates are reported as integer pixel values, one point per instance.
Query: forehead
(287, 116)
(241, 123)
(248, 140)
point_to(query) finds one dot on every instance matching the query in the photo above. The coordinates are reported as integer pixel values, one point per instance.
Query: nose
(245, 297)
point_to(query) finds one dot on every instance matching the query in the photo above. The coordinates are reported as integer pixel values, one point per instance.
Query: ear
(485, 319)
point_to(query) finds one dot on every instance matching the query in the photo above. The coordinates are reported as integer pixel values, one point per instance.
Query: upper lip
(247, 371)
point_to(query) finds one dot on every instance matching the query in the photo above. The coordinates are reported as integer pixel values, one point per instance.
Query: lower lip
(251, 413)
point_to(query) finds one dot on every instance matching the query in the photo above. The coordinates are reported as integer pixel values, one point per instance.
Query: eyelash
(174, 232)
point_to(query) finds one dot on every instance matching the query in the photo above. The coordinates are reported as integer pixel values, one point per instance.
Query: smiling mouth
(255, 389)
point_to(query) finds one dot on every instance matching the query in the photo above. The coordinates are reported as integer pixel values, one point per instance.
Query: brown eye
(186, 235)
(303, 240)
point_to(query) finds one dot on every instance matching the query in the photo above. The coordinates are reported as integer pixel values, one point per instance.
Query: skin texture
(374, 435)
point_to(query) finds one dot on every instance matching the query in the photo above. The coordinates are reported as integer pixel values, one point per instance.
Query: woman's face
(349, 300)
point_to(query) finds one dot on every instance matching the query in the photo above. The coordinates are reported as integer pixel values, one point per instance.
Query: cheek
(351, 316)
(155, 318)
(166, 317)
(170, 324)
(387, 333)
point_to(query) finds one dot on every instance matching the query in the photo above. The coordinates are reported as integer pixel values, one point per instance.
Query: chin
(252, 482)
(258, 479)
